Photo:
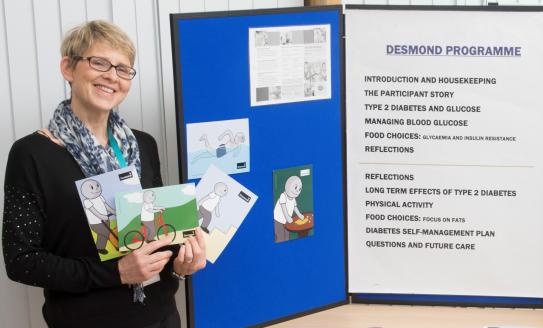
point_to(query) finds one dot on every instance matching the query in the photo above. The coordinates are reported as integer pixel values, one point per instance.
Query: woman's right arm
(26, 259)
(29, 263)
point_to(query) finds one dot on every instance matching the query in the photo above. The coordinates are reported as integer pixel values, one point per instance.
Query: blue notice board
(256, 280)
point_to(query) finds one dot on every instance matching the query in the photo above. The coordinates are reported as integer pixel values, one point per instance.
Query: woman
(46, 238)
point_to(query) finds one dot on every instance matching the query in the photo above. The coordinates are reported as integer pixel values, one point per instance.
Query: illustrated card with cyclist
(156, 213)
(97, 196)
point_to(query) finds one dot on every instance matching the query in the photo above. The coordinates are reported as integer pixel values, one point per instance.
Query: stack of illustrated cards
(223, 204)
(156, 213)
(97, 195)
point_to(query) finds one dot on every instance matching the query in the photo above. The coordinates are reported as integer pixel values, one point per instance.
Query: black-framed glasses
(103, 65)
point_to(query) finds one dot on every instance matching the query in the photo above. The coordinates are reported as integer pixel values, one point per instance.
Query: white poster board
(289, 64)
(444, 152)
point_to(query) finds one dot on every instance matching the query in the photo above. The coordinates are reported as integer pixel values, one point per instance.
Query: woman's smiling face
(93, 90)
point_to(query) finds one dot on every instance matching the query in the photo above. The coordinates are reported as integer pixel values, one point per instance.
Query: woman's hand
(192, 255)
(144, 263)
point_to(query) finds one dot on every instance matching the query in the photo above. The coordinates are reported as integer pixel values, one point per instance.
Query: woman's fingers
(144, 263)
(151, 247)
(200, 239)
(192, 255)
(156, 267)
(199, 250)
(194, 247)
(188, 251)
(181, 254)
(159, 256)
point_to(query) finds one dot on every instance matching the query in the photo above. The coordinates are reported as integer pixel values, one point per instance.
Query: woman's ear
(67, 69)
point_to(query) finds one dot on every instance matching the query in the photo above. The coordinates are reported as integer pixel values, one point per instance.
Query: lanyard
(113, 143)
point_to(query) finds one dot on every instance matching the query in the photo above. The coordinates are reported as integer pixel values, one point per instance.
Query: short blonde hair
(80, 38)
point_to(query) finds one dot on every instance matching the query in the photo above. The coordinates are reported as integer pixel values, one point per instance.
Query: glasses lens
(103, 65)
(125, 72)
(99, 64)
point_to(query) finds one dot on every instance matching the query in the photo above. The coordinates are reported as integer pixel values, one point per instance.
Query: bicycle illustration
(113, 238)
(134, 239)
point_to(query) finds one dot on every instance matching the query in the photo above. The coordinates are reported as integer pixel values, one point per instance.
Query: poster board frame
(337, 100)
(446, 300)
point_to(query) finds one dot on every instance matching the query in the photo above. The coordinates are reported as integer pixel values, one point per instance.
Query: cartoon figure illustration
(309, 90)
(98, 214)
(210, 203)
(319, 35)
(315, 72)
(307, 72)
(286, 38)
(323, 73)
(261, 39)
(229, 143)
(156, 214)
(284, 208)
(148, 211)
(275, 92)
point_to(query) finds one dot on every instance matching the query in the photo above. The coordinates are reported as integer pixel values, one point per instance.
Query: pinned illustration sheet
(97, 195)
(289, 63)
(223, 204)
(222, 143)
(293, 203)
(156, 213)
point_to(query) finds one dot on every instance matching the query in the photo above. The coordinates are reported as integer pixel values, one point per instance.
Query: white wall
(31, 87)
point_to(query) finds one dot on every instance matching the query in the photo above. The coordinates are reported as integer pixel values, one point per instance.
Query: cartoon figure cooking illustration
(284, 208)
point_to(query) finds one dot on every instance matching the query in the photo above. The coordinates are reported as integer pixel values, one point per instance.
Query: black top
(47, 241)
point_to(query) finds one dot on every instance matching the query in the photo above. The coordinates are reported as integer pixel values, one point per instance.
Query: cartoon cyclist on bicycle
(148, 211)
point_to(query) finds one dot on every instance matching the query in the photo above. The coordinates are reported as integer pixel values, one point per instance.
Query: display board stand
(256, 281)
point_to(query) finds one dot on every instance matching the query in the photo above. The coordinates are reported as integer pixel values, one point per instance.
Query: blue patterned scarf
(92, 157)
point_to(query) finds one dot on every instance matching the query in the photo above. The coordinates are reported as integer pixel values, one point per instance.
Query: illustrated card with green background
(97, 196)
(293, 203)
(156, 213)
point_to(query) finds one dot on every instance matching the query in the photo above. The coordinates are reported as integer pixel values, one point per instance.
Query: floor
(401, 316)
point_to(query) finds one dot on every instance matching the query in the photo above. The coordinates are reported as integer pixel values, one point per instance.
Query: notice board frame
(329, 286)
